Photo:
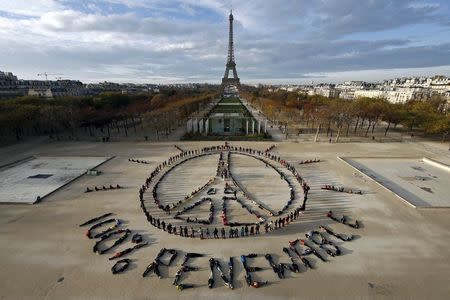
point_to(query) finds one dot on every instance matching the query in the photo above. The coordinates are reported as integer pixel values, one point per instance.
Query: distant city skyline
(276, 41)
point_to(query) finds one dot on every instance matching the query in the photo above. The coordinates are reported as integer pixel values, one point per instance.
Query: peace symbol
(226, 203)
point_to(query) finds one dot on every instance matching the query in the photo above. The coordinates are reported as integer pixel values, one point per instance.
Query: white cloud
(274, 38)
(30, 7)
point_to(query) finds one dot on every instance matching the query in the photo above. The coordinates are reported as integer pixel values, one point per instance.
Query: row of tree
(359, 116)
(33, 116)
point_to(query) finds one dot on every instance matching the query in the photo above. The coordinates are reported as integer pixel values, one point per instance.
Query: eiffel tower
(231, 64)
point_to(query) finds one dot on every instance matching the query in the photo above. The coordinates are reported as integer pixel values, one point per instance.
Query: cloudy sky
(277, 41)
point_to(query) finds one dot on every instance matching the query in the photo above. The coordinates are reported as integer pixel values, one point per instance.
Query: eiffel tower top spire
(230, 39)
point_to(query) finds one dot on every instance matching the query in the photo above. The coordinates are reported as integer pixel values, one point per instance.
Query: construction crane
(46, 74)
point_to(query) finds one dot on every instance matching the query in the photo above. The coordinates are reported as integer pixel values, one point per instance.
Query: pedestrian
(246, 230)
(215, 232)
(257, 229)
(222, 232)
(242, 231)
(266, 227)
(207, 233)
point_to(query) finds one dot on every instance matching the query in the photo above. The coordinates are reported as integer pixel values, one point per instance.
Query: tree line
(358, 116)
(33, 116)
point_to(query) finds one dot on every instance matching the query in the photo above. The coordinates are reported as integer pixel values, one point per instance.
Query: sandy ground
(400, 252)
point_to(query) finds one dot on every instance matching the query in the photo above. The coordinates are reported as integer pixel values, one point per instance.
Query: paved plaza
(25, 181)
(416, 181)
(398, 252)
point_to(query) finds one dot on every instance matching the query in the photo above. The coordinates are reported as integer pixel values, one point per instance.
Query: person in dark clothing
(257, 229)
(215, 233)
(305, 198)
(222, 232)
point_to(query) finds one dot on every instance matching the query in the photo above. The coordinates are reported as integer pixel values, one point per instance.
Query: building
(9, 85)
(44, 92)
(369, 94)
(325, 90)
(230, 116)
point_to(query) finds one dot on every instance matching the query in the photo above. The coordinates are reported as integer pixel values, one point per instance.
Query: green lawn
(236, 107)
(199, 137)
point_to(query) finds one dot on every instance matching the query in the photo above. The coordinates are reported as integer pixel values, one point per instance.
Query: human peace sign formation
(217, 194)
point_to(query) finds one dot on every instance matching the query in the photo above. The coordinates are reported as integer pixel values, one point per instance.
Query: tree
(393, 113)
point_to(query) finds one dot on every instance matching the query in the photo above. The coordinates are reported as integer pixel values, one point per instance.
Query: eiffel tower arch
(227, 80)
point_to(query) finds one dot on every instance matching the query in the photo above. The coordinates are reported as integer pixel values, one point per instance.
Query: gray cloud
(274, 39)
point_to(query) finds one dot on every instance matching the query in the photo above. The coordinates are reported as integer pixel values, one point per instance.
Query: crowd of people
(309, 161)
(297, 176)
(178, 159)
(315, 240)
(249, 229)
(341, 236)
(192, 206)
(251, 211)
(154, 266)
(341, 189)
(248, 270)
(139, 161)
(178, 148)
(344, 220)
(215, 264)
(323, 242)
(270, 148)
(114, 231)
(103, 188)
